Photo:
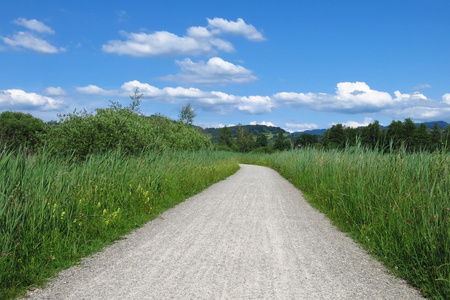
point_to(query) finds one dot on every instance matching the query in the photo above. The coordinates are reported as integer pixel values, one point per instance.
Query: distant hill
(253, 129)
(272, 131)
(430, 125)
(313, 132)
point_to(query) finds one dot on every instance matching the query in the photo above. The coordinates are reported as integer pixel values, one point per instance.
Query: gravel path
(251, 236)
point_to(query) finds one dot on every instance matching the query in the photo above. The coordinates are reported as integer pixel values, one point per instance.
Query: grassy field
(55, 211)
(396, 205)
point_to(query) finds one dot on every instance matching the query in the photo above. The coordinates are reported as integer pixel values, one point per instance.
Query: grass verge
(54, 211)
(396, 205)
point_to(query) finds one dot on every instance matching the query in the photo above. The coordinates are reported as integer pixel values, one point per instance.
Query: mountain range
(272, 131)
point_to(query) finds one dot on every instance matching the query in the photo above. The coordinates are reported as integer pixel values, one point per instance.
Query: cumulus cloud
(256, 104)
(354, 124)
(32, 40)
(19, 99)
(214, 71)
(95, 90)
(220, 26)
(270, 124)
(216, 101)
(197, 41)
(446, 98)
(34, 25)
(350, 97)
(300, 127)
(55, 91)
(358, 97)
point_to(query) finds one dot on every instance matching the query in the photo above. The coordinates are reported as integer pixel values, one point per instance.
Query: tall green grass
(397, 205)
(54, 211)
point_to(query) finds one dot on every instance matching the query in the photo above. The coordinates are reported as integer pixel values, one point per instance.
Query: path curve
(251, 236)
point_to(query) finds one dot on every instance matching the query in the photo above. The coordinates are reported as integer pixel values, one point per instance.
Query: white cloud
(34, 25)
(221, 26)
(405, 97)
(30, 41)
(422, 87)
(215, 70)
(358, 97)
(270, 124)
(197, 41)
(354, 124)
(300, 127)
(55, 91)
(207, 100)
(350, 97)
(256, 104)
(446, 98)
(19, 99)
(95, 90)
(158, 43)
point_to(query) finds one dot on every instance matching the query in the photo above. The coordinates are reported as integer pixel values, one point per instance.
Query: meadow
(397, 205)
(55, 210)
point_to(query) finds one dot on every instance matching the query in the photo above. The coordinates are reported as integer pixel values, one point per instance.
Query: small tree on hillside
(187, 115)
(281, 143)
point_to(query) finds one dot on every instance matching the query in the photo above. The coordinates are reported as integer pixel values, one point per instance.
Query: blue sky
(294, 64)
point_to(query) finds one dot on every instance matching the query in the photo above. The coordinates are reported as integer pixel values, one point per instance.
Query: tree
(20, 130)
(446, 136)
(436, 137)
(371, 135)
(281, 143)
(136, 101)
(225, 137)
(244, 141)
(261, 140)
(421, 139)
(395, 134)
(187, 115)
(334, 137)
(306, 140)
(408, 132)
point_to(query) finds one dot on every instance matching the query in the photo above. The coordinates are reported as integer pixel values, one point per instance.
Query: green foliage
(281, 143)
(306, 140)
(19, 130)
(55, 210)
(334, 137)
(225, 137)
(187, 115)
(115, 127)
(261, 140)
(396, 205)
(244, 141)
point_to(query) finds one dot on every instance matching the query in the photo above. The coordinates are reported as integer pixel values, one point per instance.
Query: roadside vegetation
(69, 188)
(397, 205)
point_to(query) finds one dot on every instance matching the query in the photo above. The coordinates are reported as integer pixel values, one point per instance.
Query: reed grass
(396, 205)
(54, 211)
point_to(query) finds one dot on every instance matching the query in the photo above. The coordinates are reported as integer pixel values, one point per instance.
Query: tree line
(406, 135)
(398, 135)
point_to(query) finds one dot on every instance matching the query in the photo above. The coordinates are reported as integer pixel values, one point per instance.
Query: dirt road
(251, 236)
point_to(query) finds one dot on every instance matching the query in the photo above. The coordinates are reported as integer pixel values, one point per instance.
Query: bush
(19, 130)
(81, 133)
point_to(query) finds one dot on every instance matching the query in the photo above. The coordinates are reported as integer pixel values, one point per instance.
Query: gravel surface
(251, 236)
